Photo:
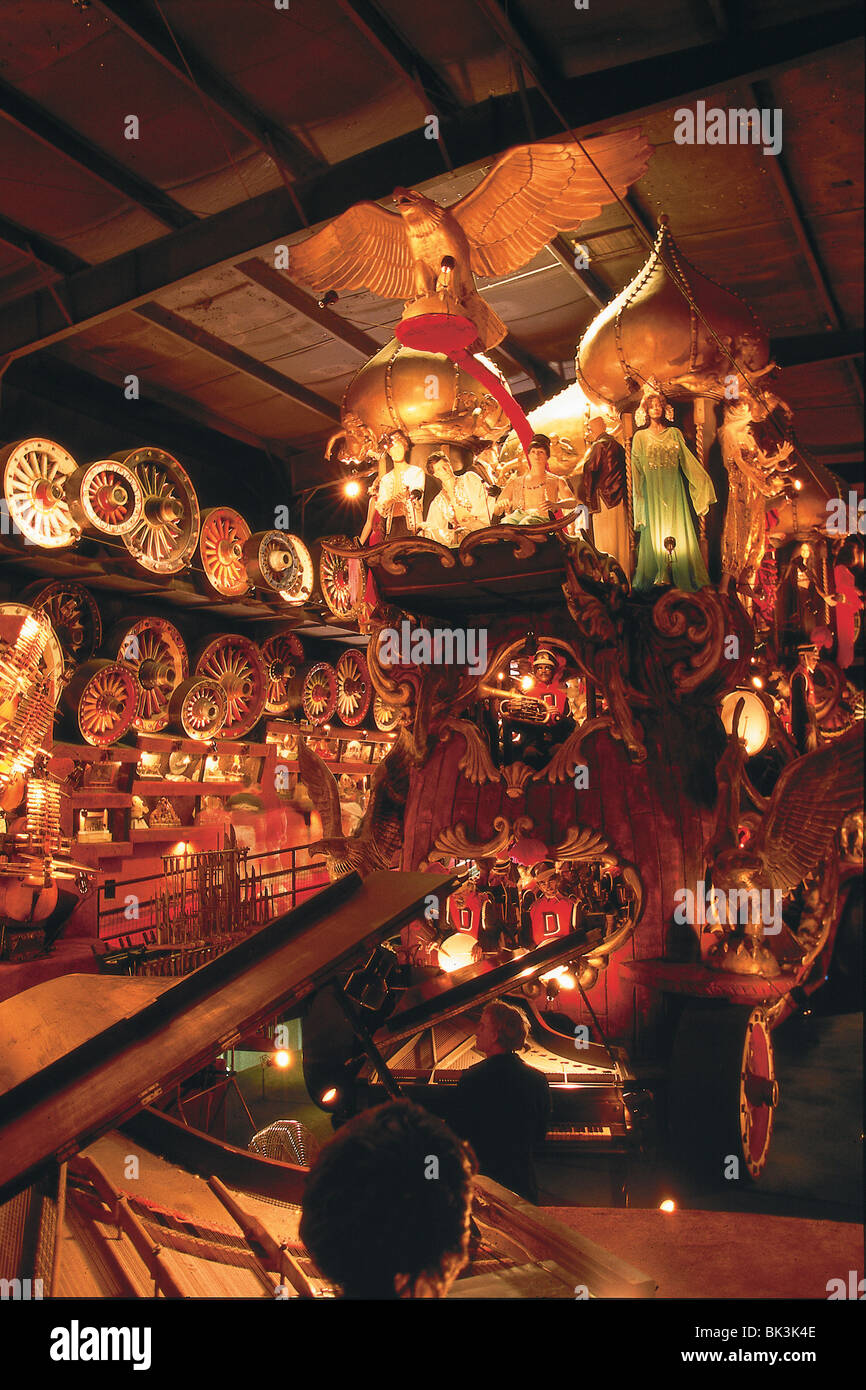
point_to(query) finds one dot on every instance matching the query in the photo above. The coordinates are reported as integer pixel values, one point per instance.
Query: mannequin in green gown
(662, 465)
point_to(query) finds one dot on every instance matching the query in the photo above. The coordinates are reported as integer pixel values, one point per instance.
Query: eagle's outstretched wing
(535, 191)
(809, 803)
(319, 781)
(366, 247)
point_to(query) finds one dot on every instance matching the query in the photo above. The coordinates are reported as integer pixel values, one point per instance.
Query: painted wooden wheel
(102, 698)
(342, 582)
(74, 618)
(224, 533)
(354, 688)
(198, 707)
(279, 561)
(723, 1091)
(283, 656)
(385, 717)
(164, 539)
(34, 476)
(235, 663)
(106, 498)
(319, 695)
(155, 650)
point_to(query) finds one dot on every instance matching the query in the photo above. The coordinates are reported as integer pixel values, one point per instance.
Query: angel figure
(531, 193)
(663, 467)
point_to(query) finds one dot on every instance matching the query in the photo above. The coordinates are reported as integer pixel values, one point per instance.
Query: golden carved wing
(808, 805)
(320, 782)
(535, 191)
(364, 248)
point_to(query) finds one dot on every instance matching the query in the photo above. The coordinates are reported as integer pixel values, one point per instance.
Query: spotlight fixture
(328, 298)
(352, 488)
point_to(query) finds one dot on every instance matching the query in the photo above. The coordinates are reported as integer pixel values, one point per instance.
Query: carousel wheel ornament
(283, 656)
(31, 669)
(106, 498)
(385, 717)
(723, 1091)
(224, 533)
(164, 538)
(73, 615)
(198, 707)
(319, 695)
(35, 472)
(235, 663)
(155, 650)
(342, 581)
(102, 698)
(354, 688)
(281, 562)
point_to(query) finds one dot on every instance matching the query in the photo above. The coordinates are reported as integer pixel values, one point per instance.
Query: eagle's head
(414, 207)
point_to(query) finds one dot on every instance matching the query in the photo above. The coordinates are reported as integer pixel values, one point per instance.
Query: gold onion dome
(657, 327)
(424, 394)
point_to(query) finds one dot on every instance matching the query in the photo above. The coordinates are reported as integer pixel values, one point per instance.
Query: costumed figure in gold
(529, 498)
(753, 477)
(663, 467)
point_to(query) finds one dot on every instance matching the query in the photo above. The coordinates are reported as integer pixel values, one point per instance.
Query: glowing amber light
(798, 486)
(754, 726)
(566, 981)
(329, 1096)
(456, 951)
(282, 1059)
(352, 488)
(667, 1205)
(757, 682)
(526, 682)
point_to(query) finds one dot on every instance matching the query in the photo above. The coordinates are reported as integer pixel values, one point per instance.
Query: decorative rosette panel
(102, 699)
(354, 688)
(224, 533)
(155, 650)
(235, 663)
(164, 539)
(281, 562)
(106, 497)
(342, 581)
(385, 717)
(34, 476)
(283, 656)
(73, 615)
(319, 695)
(198, 708)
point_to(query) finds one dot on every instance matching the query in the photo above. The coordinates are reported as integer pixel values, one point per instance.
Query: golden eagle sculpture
(531, 193)
(380, 834)
(800, 826)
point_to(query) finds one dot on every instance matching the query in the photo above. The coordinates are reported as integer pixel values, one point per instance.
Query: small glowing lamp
(566, 980)
(329, 1096)
(282, 1058)
(757, 682)
(526, 682)
(667, 1205)
(754, 728)
(352, 488)
(798, 486)
(456, 951)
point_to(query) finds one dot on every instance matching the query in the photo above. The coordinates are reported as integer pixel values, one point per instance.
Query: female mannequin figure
(390, 512)
(532, 496)
(462, 505)
(662, 465)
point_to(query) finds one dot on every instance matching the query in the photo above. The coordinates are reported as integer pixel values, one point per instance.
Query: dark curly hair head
(386, 1206)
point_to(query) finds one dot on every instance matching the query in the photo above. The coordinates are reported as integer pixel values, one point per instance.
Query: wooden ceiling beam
(282, 288)
(432, 88)
(50, 254)
(20, 111)
(180, 327)
(479, 133)
(132, 19)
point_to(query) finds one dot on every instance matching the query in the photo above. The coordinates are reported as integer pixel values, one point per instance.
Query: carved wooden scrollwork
(695, 632)
(476, 764)
(566, 756)
(454, 843)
